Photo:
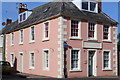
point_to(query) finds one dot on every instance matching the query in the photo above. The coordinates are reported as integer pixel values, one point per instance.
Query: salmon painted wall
(84, 52)
(53, 46)
(37, 47)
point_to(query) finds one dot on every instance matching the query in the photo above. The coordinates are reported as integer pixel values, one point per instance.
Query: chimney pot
(23, 8)
(8, 21)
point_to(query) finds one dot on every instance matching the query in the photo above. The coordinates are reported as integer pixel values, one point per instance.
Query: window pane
(91, 30)
(105, 32)
(20, 18)
(74, 59)
(21, 36)
(32, 59)
(92, 6)
(85, 5)
(106, 59)
(74, 28)
(32, 33)
(24, 16)
(46, 29)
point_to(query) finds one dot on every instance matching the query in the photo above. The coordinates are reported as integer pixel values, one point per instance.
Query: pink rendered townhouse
(63, 39)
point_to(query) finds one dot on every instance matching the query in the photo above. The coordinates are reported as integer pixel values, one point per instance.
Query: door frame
(20, 61)
(95, 54)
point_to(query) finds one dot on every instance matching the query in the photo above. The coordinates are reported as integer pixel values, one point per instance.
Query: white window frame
(44, 38)
(95, 32)
(20, 37)
(12, 59)
(30, 63)
(22, 16)
(109, 35)
(96, 9)
(79, 61)
(79, 30)
(44, 55)
(109, 68)
(12, 38)
(31, 41)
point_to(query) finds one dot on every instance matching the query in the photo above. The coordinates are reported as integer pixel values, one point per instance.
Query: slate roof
(55, 9)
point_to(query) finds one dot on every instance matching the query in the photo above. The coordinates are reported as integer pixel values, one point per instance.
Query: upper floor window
(106, 32)
(12, 38)
(46, 30)
(75, 28)
(91, 31)
(22, 17)
(21, 36)
(90, 6)
(32, 32)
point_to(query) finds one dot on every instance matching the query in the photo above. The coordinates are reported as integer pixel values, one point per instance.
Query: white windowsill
(109, 69)
(75, 38)
(32, 68)
(46, 69)
(106, 40)
(75, 70)
(45, 39)
(92, 39)
(12, 44)
(32, 41)
(20, 43)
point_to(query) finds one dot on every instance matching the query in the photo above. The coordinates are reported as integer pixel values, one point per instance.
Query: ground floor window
(106, 60)
(32, 64)
(46, 59)
(75, 59)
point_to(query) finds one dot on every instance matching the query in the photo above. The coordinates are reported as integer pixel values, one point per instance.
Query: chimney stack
(23, 8)
(100, 5)
(8, 21)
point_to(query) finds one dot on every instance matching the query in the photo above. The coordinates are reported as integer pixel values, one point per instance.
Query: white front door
(21, 62)
(92, 63)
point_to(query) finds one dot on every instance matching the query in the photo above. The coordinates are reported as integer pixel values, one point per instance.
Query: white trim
(31, 67)
(95, 31)
(12, 40)
(109, 35)
(109, 68)
(79, 30)
(30, 40)
(20, 36)
(79, 62)
(44, 67)
(96, 64)
(96, 9)
(12, 63)
(44, 38)
(20, 62)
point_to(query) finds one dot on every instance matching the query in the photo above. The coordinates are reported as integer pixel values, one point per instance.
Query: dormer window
(23, 16)
(91, 6)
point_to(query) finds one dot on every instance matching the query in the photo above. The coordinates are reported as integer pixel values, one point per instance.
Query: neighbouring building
(63, 39)
(1, 46)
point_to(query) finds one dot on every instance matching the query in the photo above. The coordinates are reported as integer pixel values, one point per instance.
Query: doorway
(92, 63)
(21, 62)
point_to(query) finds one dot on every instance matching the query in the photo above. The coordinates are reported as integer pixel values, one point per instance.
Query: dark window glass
(24, 16)
(20, 17)
(92, 6)
(85, 5)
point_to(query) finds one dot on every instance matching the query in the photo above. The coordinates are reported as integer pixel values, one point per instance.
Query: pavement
(24, 76)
